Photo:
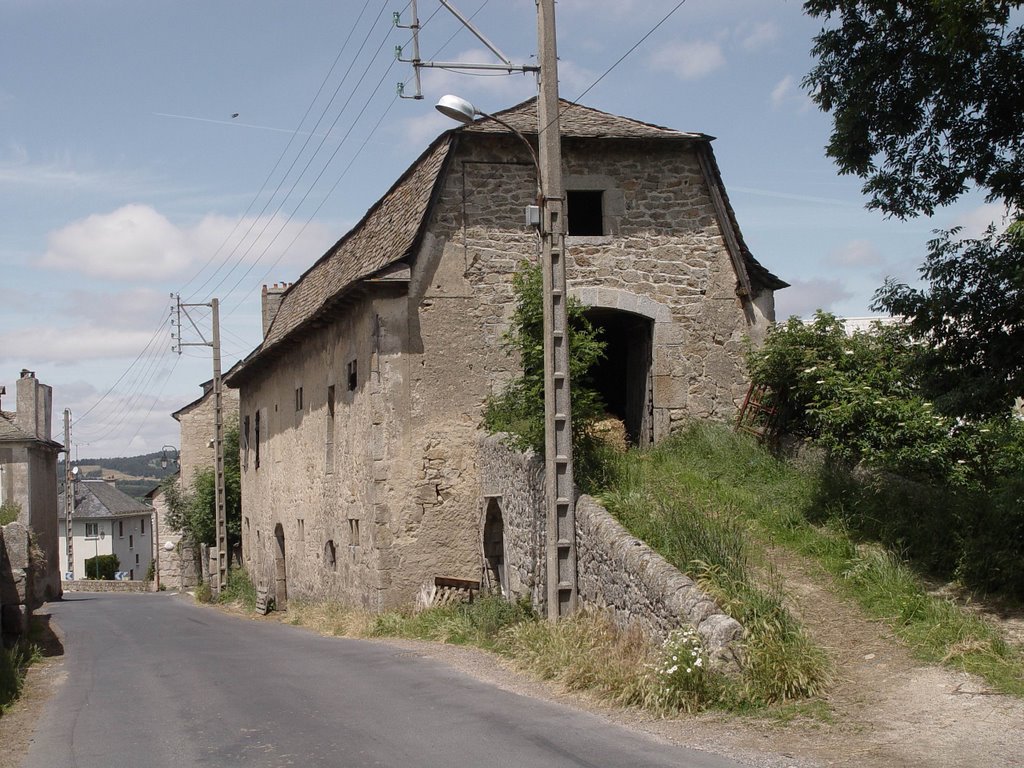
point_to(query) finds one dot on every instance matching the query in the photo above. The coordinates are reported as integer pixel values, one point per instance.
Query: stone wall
(103, 585)
(17, 593)
(615, 570)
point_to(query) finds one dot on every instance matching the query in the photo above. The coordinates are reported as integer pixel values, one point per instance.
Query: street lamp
(164, 461)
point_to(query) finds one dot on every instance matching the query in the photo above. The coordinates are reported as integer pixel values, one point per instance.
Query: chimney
(34, 409)
(271, 303)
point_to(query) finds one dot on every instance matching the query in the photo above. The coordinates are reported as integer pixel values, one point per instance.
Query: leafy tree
(925, 97)
(193, 510)
(926, 103)
(519, 409)
(972, 316)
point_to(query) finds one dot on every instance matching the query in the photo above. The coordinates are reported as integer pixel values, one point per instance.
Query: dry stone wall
(616, 571)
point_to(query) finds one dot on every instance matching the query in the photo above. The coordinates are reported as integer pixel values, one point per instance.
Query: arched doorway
(280, 570)
(494, 548)
(623, 378)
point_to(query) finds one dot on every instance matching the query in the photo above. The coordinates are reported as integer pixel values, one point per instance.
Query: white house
(106, 521)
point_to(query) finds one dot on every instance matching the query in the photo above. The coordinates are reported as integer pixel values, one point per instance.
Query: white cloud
(856, 253)
(977, 220)
(136, 242)
(787, 93)
(803, 297)
(688, 60)
(754, 37)
(42, 345)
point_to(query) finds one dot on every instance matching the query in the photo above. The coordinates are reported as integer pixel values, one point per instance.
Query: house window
(120, 529)
(92, 530)
(353, 532)
(300, 524)
(131, 542)
(298, 398)
(142, 526)
(245, 443)
(330, 555)
(585, 212)
(136, 558)
(329, 446)
(256, 461)
(352, 377)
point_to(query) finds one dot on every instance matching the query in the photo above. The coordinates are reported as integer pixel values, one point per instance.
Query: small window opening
(120, 529)
(353, 532)
(352, 377)
(142, 525)
(585, 215)
(256, 460)
(301, 525)
(131, 542)
(245, 443)
(330, 555)
(136, 558)
(329, 443)
(298, 399)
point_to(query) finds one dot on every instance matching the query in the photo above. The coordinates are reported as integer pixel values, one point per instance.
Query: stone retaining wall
(102, 585)
(615, 570)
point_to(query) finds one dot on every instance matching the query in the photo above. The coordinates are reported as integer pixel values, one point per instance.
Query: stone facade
(616, 571)
(180, 567)
(360, 411)
(28, 473)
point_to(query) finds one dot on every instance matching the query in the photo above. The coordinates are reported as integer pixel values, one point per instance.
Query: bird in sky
(234, 115)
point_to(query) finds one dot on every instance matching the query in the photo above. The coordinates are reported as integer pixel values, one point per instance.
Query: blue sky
(124, 176)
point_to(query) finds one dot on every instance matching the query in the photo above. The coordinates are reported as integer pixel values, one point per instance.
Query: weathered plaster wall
(615, 570)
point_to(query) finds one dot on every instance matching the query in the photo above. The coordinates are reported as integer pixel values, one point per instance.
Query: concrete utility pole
(69, 495)
(561, 516)
(221, 577)
(560, 551)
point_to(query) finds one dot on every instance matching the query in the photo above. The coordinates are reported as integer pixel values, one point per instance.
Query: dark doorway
(624, 376)
(494, 548)
(280, 570)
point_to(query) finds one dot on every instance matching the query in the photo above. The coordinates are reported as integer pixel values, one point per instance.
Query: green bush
(519, 409)
(239, 588)
(9, 512)
(942, 489)
(102, 567)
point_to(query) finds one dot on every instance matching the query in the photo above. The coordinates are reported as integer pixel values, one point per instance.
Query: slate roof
(579, 122)
(10, 432)
(392, 229)
(100, 500)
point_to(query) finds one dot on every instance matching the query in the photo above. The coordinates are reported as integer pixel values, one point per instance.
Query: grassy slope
(740, 488)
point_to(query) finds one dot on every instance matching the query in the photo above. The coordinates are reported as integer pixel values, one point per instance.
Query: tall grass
(14, 664)
(845, 524)
(478, 623)
(690, 498)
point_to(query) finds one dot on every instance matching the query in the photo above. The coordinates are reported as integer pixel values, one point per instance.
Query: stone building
(28, 473)
(179, 567)
(360, 410)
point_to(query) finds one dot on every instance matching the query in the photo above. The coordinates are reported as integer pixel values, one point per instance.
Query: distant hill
(133, 475)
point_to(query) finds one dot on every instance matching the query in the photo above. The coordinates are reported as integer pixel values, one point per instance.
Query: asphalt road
(158, 682)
